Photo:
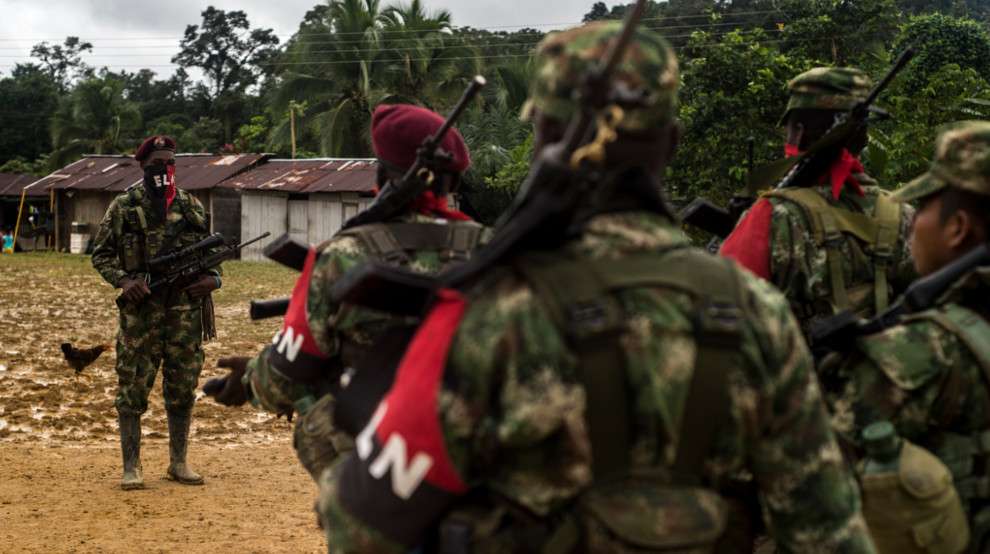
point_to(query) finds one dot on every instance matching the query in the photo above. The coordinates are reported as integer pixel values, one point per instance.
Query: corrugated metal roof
(116, 173)
(11, 184)
(309, 176)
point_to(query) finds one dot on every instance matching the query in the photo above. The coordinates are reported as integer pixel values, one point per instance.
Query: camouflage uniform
(166, 329)
(799, 262)
(340, 334)
(928, 375)
(513, 450)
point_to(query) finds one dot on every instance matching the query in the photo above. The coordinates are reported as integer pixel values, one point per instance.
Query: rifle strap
(969, 326)
(888, 218)
(208, 317)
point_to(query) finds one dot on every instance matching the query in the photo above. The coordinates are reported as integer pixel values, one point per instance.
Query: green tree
(29, 97)
(901, 149)
(232, 55)
(63, 62)
(353, 56)
(94, 118)
(734, 90)
(941, 40)
(204, 136)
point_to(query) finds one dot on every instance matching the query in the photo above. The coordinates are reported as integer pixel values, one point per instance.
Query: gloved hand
(134, 290)
(229, 390)
(203, 286)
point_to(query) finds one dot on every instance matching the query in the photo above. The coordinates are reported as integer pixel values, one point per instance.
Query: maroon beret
(158, 146)
(397, 131)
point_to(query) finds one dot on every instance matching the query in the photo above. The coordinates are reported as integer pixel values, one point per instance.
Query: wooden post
(292, 127)
(55, 212)
(51, 210)
(20, 210)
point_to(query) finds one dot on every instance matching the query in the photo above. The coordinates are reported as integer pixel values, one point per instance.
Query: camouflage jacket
(800, 268)
(920, 376)
(333, 327)
(510, 406)
(131, 233)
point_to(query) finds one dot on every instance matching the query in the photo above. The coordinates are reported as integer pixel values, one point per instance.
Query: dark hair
(976, 205)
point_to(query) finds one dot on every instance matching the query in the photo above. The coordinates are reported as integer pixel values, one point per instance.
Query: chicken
(79, 358)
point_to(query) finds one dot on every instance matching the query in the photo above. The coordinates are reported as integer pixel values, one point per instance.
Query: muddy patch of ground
(58, 432)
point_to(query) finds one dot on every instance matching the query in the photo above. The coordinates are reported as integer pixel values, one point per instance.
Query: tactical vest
(967, 457)
(139, 240)
(643, 510)
(394, 243)
(829, 225)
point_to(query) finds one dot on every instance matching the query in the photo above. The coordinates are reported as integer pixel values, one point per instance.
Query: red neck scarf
(169, 187)
(430, 204)
(841, 172)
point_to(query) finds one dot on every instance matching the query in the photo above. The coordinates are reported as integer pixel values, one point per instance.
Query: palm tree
(359, 56)
(95, 118)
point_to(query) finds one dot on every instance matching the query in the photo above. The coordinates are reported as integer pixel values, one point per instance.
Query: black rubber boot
(130, 449)
(178, 436)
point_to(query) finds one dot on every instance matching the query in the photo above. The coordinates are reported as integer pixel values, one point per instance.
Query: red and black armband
(400, 479)
(294, 351)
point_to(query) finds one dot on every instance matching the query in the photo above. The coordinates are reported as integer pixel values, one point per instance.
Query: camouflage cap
(649, 65)
(962, 160)
(827, 88)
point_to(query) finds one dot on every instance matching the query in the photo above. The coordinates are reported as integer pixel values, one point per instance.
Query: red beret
(397, 131)
(158, 146)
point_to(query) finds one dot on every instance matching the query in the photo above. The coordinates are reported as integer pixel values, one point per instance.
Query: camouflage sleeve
(105, 259)
(272, 389)
(916, 375)
(806, 488)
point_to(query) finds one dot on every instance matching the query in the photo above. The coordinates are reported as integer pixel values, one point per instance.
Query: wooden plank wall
(261, 212)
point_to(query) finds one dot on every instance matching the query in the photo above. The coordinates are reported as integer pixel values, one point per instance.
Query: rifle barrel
(902, 60)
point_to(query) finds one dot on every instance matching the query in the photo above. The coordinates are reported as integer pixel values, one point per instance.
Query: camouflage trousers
(317, 441)
(154, 335)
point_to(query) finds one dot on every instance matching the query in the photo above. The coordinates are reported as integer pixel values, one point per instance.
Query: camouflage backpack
(966, 455)
(656, 509)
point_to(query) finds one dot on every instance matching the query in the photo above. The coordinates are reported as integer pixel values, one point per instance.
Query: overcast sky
(134, 33)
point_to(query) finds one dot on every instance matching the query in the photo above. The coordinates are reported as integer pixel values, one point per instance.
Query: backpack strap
(589, 312)
(380, 241)
(829, 223)
(969, 326)
(887, 216)
(392, 242)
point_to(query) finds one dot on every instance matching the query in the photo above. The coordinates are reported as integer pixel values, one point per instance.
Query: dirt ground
(59, 458)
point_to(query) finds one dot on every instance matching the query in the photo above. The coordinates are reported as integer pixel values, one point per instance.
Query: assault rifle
(791, 172)
(837, 333)
(395, 199)
(182, 267)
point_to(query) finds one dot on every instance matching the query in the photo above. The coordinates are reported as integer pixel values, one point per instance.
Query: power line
(487, 40)
(499, 56)
(444, 47)
(403, 31)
